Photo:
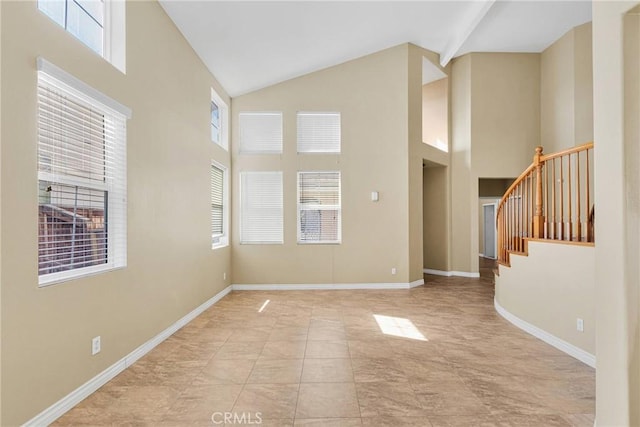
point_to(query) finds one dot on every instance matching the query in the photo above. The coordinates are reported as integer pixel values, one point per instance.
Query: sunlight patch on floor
(399, 327)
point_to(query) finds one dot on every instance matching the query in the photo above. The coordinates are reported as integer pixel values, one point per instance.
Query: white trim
(451, 273)
(77, 84)
(59, 408)
(416, 283)
(560, 344)
(325, 286)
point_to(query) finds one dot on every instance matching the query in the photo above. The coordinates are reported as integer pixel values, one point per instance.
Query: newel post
(538, 218)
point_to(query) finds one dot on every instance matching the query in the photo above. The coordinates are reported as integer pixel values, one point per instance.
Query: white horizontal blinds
(261, 132)
(318, 132)
(261, 209)
(82, 181)
(217, 203)
(319, 215)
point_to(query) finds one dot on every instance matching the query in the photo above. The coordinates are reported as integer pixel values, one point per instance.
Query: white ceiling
(249, 45)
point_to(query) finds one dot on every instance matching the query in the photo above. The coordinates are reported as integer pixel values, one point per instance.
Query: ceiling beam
(456, 42)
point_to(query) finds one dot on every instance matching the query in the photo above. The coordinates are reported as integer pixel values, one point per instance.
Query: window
(98, 24)
(261, 132)
(261, 207)
(219, 121)
(219, 211)
(319, 214)
(318, 132)
(81, 178)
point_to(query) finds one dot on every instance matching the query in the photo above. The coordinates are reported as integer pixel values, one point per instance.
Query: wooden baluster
(578, 210)
(569, 199)
(529, 207)
(538, 219)
(561, 199)
(589, 225)
(553, 198)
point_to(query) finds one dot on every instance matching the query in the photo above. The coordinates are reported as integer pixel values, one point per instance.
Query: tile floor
(436, 355)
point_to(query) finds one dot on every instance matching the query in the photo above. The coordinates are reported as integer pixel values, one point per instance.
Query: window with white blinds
(319, 211)
(318, 132)
(261, 210)
(82, 225)
(219, 211)
(261, 132)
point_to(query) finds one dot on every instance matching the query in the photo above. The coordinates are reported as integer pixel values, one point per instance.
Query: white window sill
(79, 273)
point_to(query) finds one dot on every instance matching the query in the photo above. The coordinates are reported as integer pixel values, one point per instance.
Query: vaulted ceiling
(249, 45)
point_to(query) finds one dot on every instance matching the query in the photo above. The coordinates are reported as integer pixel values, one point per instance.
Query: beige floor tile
(198, 404)
(240, 350)
(291, 333)
(272, 401)
(284, 350)
(225, 371)
(327, 371)
(482, 371)
(371, 349)
(254, 334)
(328, 422)
(276, 371)
(327, 350)
(396, 421)
(327, 400)
(377, 370)
(388, 399)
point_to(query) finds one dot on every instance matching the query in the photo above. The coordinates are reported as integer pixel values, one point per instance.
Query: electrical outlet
(224, 276)
(580, 325)
(393, 271)
(95, 346)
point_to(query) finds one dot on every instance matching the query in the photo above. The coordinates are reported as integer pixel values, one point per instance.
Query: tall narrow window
(219, 120)
(261, 211)
(261, 132)
(81, 176)
(219, 211)
(319, 212)
(318, 132)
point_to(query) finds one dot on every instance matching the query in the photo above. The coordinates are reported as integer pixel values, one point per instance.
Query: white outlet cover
(95, 346)
(580, 325)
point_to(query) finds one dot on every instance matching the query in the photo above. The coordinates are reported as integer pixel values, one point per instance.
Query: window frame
(223, 118)
(223, 239)
(300, 208)
(115, 186)
(113, 30)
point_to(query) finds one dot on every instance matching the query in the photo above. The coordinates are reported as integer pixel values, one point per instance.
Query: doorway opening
(490, 191)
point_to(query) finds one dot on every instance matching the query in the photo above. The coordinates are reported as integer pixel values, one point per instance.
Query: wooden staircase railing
(551, 200)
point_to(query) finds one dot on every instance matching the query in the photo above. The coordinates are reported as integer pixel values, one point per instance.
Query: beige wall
(632, 168)
(419, 153)
(632, 176)
(435, 112)
(46, 333)
(566, 91)
(616, 190)
(371, 95)
(436, 218)
(554, 297)
(496, 114)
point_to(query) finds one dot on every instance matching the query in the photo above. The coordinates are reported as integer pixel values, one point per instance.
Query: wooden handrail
(535, 206)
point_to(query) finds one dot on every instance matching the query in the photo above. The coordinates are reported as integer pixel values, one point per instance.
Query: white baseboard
(59, 408)
(560, 344)
(451, 273)
(416, 283)
(325, 286)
